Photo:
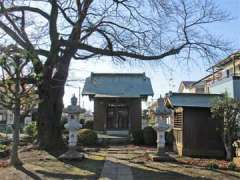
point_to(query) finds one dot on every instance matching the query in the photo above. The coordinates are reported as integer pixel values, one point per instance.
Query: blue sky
(166, 74)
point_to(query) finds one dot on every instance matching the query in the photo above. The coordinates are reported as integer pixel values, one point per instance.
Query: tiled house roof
(118, 85)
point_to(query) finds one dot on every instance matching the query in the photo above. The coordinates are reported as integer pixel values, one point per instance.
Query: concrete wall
(223, 86)
(230, 85)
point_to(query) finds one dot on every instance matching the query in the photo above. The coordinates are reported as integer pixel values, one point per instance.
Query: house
(6, 119)
(117, 99)
(6, 116)
(225, 77)
(191, 87)
(186, 87)
(195, 133)
(230, 79)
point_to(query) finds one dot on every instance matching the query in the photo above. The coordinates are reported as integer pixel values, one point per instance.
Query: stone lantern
(161, 126)
(72, 126)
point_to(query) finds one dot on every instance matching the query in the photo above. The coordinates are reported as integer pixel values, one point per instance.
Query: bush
(232, 166)
(212, 166)
(88, 124)
(87, 137)
(31, 130)
(149, 136)
(2, 136)
(82, 121)
(4, 151)
(137, 137)
(3, 148)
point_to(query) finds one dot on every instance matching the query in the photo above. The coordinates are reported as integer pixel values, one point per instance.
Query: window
(178, 119)
(227, 72)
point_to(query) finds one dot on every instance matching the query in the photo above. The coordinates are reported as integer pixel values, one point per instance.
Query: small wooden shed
(117, 99)
(195, 132)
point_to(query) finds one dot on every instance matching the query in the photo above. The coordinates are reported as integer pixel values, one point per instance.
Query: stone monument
(72, 126)
(161, 126)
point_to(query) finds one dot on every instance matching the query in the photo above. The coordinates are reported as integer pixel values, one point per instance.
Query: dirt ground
(143, 168)
(39, 164)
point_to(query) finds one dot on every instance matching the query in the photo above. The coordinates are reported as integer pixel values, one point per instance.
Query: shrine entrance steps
(112, 139)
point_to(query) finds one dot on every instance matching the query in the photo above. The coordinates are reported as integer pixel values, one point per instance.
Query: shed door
(117, 117)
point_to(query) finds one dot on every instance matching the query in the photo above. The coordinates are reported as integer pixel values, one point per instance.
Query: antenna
(171, 81)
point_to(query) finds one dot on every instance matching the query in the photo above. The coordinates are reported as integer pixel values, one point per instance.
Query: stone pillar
(161, 126)
(72, 126)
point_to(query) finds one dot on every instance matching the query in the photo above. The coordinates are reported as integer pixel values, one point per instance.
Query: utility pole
(79, 96)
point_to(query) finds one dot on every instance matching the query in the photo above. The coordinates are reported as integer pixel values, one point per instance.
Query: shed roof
(191, 99)
(118, 85)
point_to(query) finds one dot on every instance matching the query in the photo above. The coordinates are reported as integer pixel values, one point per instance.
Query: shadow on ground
(29, 173)
(91, 168)
(145, 173)
(140, 174)
(85, 169)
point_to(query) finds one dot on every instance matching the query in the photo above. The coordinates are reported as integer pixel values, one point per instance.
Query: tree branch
(107, 52)
(26, 8)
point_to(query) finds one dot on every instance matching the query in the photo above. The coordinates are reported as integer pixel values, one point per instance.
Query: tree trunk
(50, 112)
(14, 159)
(51, 93)
(227, 144)
(228, 149)
(227, 138)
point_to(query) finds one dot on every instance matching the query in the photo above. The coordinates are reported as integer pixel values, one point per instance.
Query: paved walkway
(114, 170)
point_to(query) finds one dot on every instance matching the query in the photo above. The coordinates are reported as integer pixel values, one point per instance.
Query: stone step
(106, 139)
(118, 132)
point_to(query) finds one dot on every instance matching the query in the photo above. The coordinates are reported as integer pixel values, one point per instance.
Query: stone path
(114, 170)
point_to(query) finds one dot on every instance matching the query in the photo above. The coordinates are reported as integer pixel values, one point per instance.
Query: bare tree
(16, 94)
(56, 31)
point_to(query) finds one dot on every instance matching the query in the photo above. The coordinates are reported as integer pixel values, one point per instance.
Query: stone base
(236, 160)
(72, 154)
(161, 157)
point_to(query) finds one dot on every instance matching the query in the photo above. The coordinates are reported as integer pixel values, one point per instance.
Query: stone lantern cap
(161, 108)
(73, 100)
(73, 108)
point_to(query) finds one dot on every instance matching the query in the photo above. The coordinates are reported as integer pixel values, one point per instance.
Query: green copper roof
(191, 99)
(118, 85)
